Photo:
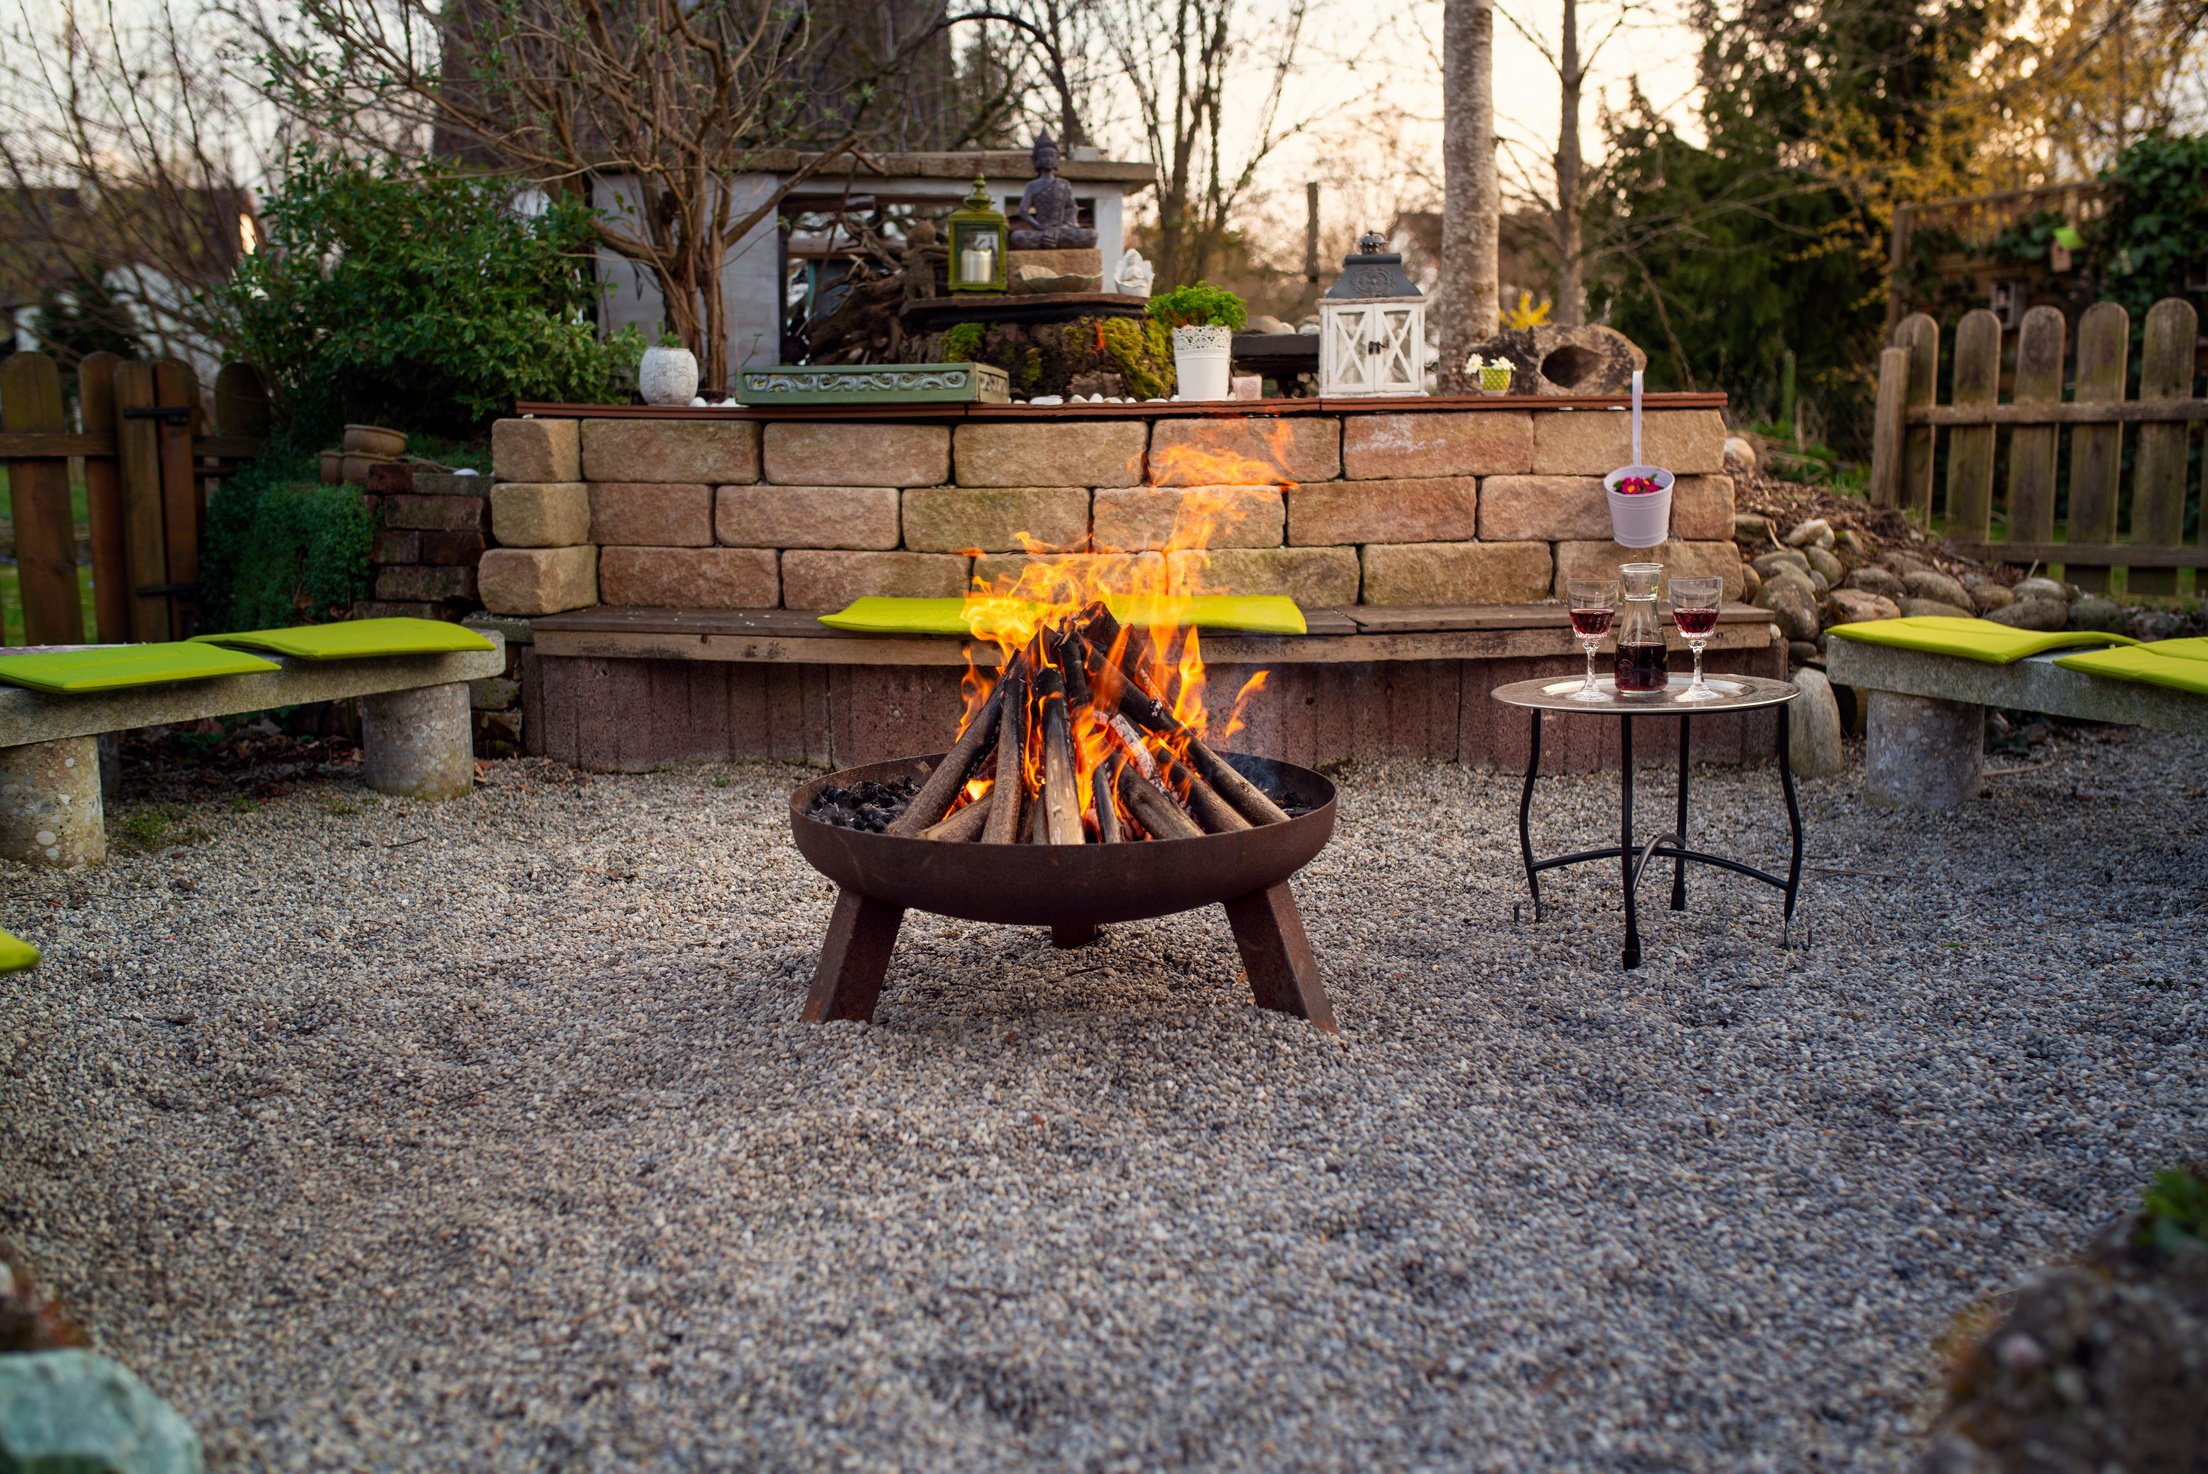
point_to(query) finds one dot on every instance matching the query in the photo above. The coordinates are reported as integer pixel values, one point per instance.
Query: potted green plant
(1203, 319)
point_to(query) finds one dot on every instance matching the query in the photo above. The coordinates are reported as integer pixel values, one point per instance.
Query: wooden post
(1970, 447)
(1888, 425)
(1921, 336)
(2158, 485)
(2031, 501)
(138, 449)
(2097, 451)
(103, 495)
(183, 500)
(45, 530)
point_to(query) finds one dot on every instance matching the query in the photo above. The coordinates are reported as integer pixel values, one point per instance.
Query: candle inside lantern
(977, 263)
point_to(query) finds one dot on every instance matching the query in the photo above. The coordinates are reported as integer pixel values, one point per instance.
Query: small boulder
(72, 1412)
(1854, 606)
(2156, 624)
(1813, 728)
(1553, 359)
(1991, 596)
(1752, 527)
(2041, 588)
(1801, 652)
(1872, 579)
(1853, 545)
(1901, 564)
(1823, 562)
(1794, 607)
(2033, 614)
(1926, 583)
(2095, 613)
(1765, 562)
(1740, 454)
(1815, 530)
(1750, 582)
(1915, 608)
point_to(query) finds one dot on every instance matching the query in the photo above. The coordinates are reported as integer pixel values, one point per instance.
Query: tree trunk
(1469, 219)
(1571, 289)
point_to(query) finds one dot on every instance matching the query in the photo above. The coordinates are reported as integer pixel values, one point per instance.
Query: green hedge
(280, 547)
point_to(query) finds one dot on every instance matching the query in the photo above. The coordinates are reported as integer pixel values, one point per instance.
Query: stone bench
(415, 738)
(1925, 714)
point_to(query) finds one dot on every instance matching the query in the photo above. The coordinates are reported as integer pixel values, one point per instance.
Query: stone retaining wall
(1494, 505)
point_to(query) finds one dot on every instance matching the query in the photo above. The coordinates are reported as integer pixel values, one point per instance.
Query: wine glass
(1694, 610)
(1594, 604)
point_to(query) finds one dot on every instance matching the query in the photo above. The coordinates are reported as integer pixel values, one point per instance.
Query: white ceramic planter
(1641, 520)
(1201, 362)
(668, 376)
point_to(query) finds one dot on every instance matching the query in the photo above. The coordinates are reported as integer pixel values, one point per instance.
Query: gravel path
(486, 1136)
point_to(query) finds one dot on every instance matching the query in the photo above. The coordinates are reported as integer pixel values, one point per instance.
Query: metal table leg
(1793, 823)
(1525, 807)
(1632, 957)
(1679, 866)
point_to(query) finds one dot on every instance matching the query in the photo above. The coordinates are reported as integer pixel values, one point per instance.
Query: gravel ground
(486, 1136)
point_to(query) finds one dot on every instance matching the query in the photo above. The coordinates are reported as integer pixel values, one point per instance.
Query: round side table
(1737, 693)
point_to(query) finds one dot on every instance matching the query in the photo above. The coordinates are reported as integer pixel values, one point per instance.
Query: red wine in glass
(1695, 622)
(1592, 624)
(1641, 667)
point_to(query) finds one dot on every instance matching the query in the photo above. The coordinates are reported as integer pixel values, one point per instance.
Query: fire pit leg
(1284, 976)
(854, 959)
(1063, 936)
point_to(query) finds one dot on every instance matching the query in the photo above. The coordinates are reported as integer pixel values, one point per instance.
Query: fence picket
(45, 530)
(103, 495)
(2032, 448)
(2158, 474)
(1970, 447)
(1921, 336)
(176, 395)
(1889, 425)
(138, 448)
(2097, 451)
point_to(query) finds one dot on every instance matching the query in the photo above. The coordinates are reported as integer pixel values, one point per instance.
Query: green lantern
(979, 235)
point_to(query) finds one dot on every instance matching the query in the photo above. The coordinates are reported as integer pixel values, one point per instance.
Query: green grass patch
(158, 827)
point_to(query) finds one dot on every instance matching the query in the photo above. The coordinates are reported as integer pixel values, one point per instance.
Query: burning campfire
(1086, 745)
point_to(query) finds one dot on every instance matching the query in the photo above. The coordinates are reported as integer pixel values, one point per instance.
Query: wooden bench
(623, 689)
(415, 738)
(1925, 716)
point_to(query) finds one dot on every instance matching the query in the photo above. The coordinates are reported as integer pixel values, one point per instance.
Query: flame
(1056, 594)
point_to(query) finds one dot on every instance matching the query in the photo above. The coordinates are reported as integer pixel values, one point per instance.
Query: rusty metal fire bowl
(1071, 889)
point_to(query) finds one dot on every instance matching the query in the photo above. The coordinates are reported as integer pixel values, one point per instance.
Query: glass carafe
(1640, 632)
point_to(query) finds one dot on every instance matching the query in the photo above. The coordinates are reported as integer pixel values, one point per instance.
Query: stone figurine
(1051, 219)
(1133, 274)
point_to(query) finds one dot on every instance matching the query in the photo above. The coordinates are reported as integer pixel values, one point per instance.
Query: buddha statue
(1050, 219)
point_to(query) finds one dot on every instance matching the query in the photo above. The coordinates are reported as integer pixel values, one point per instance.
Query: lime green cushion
(2185, 670)
(356, 639)
(1972, 639)
(1262, 614)
(116, 667)
(15, 953)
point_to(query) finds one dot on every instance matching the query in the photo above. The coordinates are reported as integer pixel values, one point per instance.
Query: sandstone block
(716, 452)
(958, 519)
(651, 514)
(536, 450)
(816, 579)
(419, 582)
(1687, 559)
(1424, 509)
(1595, 442)
(1464, 443)
(1576, 508)
(457, 549)
(1070, 575)
(1702, 508)
(689, 578)
(1456, 573)
(1057, 453)
(858, 455)
(532, 581)
(543, 515)
(437, 513)
(398, 547)
(449, 483)
(806, 516)
(1316, 578)
(1140, 518)
(1259, 450)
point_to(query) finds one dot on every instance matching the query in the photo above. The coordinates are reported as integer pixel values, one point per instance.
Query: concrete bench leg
(50, 808)
(1919, 753)
(417, 743)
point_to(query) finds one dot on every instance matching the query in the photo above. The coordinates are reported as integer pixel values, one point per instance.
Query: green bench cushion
(1260, 614)
(2184, 668)
(1972, 639)
(118, 667)
(357, 639)
(15, 953)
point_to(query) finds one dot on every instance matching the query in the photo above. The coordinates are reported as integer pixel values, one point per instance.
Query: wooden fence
(147, 464)
(1910, 421)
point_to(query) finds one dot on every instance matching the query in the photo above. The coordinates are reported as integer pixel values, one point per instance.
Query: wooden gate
(147, 463)
(1910, 421)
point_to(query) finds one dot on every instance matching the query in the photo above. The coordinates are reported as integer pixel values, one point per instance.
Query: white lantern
(1372, 327)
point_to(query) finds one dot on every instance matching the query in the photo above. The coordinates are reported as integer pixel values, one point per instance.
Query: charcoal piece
(869, 807)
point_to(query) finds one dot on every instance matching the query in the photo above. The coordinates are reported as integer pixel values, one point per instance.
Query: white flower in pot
(1491, 375)
(668, 374)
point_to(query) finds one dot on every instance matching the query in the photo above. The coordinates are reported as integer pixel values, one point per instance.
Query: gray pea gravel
(486, 1136)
